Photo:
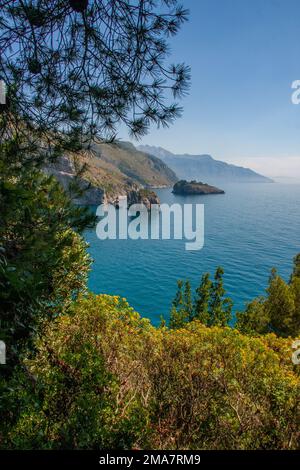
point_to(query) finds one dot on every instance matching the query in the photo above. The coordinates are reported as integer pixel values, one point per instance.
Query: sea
(248, 230)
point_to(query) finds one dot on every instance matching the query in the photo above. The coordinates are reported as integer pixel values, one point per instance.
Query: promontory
(187, 188)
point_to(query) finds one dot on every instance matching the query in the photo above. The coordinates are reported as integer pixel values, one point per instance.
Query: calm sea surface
(250, 229)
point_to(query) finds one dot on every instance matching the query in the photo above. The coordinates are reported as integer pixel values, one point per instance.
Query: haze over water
(250, 229)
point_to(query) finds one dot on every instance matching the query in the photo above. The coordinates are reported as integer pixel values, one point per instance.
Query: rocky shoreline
(91, 194)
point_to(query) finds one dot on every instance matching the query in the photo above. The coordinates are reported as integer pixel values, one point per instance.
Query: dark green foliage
(202, 302)
(188, 301)
(35, 15)
(296, 268)
(254, 319)
(219, 307)
(182, 305)
(77, 67)
(43, 259)
(34, 66)
(210, 307)
(279, 305)
(79, 5)
(279, 311)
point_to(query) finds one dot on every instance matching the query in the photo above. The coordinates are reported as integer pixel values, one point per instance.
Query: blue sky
(244, 56)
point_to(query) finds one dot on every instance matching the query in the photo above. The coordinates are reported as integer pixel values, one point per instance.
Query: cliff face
(112, 170)
(143, 196)
(64, 171)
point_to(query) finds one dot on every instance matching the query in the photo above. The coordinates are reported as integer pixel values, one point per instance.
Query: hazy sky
(244, 56)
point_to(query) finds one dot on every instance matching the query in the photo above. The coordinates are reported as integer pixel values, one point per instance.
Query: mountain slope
(204, 167)
(140, 167)
(111, 170)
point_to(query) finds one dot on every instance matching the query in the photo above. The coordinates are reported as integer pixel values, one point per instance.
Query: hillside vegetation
(86, 371)
(103, 377)
(112, 170)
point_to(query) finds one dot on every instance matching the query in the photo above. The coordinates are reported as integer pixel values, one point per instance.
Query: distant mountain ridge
(204, 167)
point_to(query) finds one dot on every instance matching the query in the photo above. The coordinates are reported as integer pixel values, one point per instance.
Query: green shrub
(105, 378)
(279, 311)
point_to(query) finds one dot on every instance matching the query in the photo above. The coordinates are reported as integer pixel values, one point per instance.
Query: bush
(86, 388)
(105, 378)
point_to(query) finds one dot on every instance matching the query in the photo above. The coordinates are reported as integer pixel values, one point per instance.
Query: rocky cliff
(111, 170)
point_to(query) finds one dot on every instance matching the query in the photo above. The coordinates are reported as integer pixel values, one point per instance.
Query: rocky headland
(188, 188)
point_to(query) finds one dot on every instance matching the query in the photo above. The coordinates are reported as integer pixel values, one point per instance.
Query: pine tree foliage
(279, 311)
(220, 307)
(43, 259)
(75, 70)
(210, 305)
(182, 305)
(201, 308)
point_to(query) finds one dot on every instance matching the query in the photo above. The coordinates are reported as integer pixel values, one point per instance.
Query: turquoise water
(250, 229)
